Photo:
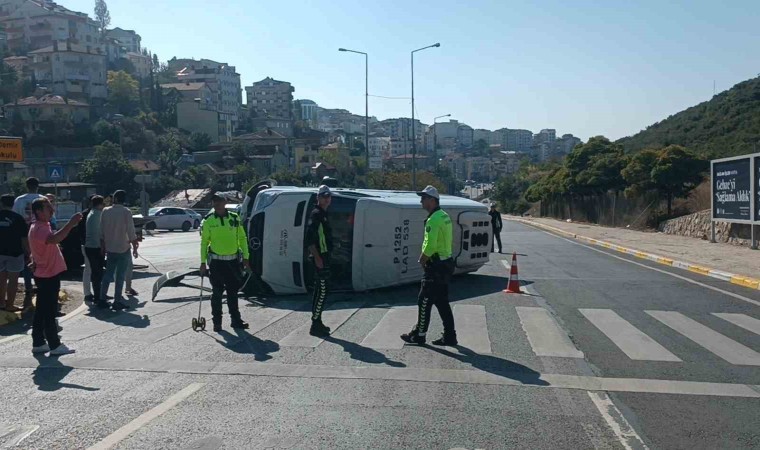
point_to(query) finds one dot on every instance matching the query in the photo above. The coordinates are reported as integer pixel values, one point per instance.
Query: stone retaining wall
(697, 225)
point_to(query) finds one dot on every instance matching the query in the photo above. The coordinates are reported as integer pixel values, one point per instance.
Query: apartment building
(270, 98)
(72, 71)
(34, 24)
(142, 64)
(197, 109)
(127, 38)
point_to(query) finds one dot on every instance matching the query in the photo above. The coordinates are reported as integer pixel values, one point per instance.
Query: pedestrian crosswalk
(543, 332)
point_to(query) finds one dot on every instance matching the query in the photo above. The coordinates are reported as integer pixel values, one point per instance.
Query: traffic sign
(55, 173)
(11, 149)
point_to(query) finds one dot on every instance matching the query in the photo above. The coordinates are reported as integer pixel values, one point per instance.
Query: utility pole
(414, 135)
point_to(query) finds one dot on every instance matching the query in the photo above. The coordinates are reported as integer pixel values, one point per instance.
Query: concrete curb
(740, 280)
(79, 310)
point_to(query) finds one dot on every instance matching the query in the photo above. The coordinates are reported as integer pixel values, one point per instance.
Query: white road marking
(12, 436)
(405, 374)
(395, 322)
(545, 336)
(688, 280)
(720, 345)
(629, 339)
(741, 320)
(300, 337)
(623, 430)
(146, 417)
(472, 329)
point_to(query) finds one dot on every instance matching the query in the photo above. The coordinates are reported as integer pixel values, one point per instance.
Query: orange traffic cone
(514, 281)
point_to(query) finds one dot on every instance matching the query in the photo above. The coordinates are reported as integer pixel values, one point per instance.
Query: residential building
(114, 50)
(465, 136)
(485, 135)
(21, 65)
(142, 64)
(307, 112)
(400, 147)
(508, 163)
(146, 167)
(282, 126)
(545, 135)
(197, 109)
(567, 143)
(34, 24)
(223, 79)
(407, 161)
(268, 137)
(305, 157)
(72, 71)
(127, 38)
(331, 120)
(269, 159)
(3, 40)
(401, 128)
(379, 146)
(516, 140)
(445, 135)
(38, 113)
(270, 98)
(479, 168)
(457, 164)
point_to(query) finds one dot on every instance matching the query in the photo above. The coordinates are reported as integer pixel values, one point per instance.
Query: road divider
(740, 280)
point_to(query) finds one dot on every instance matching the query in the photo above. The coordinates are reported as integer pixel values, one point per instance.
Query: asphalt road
(602, 352)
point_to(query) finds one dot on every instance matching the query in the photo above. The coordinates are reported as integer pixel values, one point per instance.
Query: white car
(170, 218)
(197, 218)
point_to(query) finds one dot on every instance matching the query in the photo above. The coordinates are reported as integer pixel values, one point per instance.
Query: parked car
(197, 218)
(170, 218)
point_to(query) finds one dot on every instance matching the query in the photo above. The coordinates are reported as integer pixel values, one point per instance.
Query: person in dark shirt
(319, 243)
(496, 226)
(14, 251)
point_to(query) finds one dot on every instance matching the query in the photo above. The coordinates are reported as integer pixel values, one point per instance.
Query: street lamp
(435, 139)
(366, 102)
(414, 136)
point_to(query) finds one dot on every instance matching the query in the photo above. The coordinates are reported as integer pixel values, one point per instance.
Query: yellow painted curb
(740, 280)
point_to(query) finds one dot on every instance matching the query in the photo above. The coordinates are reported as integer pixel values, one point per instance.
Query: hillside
(727, 125)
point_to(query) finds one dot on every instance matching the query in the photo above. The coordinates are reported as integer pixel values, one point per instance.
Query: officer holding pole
(438, 265)
(223, 240)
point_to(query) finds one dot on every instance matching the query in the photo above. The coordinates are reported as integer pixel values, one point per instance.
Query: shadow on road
(48, 375)
(363, 354)
(245, 343)
(493, 365)
(121, 318)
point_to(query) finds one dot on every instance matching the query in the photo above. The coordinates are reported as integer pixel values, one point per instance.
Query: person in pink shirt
(47, 265)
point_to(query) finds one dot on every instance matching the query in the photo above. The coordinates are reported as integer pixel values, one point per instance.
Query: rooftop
(184, 86)
(142, 165)
(48, 99)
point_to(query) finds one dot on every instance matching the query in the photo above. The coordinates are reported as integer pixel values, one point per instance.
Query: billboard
(732, 189)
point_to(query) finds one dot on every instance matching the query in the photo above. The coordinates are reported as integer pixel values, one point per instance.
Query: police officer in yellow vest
(319, 243)
(438, 265)
(222, 241)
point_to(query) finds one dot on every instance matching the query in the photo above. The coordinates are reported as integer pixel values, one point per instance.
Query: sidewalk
(741, 262)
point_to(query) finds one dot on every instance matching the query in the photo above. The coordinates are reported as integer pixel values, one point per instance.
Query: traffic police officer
(438, 266)
(319, 242)
(222, 241)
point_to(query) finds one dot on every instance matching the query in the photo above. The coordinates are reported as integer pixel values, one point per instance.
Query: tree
(199, 142)
(638, 172)
(287, 178)
(123, 92)
(197, 177)
(9, 83)
(676, 172)
(105, 131)
(481, 148)
(102, 16)
(594, 167)
(109, 169)
(135, 139)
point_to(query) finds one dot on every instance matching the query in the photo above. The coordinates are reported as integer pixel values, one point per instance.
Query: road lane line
(718, 344)
(300, 337)
(490, 375)
(688, 280)
(395, 322)
(741, 320)
(545, 336)
(617, 422)
(146, 417)
(634, 343)
(472, 328)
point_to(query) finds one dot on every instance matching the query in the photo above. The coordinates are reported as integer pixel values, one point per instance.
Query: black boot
(240, 324)
(413, 337)
(319, 329)
(217, 325)
(448, 339)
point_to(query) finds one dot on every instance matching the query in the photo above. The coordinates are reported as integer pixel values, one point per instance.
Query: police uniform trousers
(321, 279)
(434, 290)
(224, 275)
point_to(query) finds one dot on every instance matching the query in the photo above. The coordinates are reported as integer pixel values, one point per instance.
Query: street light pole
(414, 135)
(366, 102)
(435, 139)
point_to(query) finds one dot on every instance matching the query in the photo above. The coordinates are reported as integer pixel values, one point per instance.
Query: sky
(606, 67)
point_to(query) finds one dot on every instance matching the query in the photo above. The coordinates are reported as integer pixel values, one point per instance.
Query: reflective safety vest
(438, 231)
(223, 236)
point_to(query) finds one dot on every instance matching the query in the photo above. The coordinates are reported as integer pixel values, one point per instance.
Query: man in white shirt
(23, 206)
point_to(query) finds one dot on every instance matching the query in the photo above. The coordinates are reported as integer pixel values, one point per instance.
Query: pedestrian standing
(222, 242)
(48, 264)
(93, 252)
(130, 272)
(319, 243)
(14, 251)
(81, 231)
(117, 233)
(496, 225)
(438, 268)
(23, 206)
